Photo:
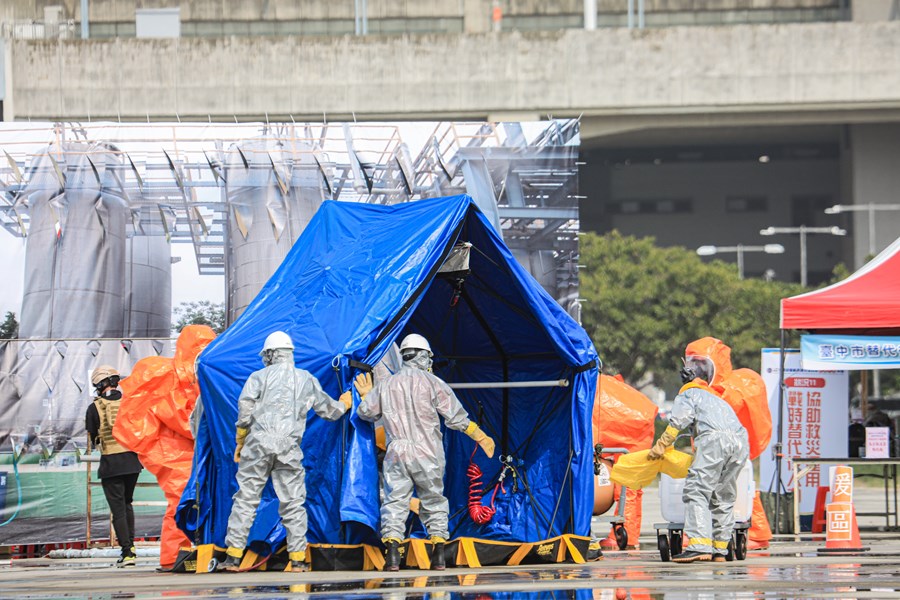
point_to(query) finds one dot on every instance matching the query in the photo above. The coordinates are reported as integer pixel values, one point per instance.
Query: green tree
(9, 329)
(203, 312)
(644, 304)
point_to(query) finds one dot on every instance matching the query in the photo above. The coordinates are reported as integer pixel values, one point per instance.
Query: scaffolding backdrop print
(98, 205)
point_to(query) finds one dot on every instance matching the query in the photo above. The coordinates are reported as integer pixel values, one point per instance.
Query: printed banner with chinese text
(815, 417)
(854, 352)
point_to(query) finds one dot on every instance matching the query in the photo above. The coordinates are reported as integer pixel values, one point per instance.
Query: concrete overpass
(618, 79)
(833, 84)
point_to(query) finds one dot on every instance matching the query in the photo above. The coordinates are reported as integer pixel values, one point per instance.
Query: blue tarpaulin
(360, 277)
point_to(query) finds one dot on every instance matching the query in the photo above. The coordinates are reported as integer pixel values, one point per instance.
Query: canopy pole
(864, 395)
(510, 384)
(779, 485)
(504, 431)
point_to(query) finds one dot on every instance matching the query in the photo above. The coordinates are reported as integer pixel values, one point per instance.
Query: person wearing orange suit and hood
(623, 418)
(745, 391)
(154, 422)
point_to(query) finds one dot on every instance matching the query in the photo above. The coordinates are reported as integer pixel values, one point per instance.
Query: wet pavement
(788, 570)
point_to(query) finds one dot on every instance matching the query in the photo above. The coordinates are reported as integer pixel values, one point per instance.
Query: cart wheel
(212, 565)
(740, 544)
(662, 542)
(730, 555)
(676, 541)
(621, 535)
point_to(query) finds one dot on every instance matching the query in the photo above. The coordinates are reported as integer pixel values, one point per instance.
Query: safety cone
(842, 533)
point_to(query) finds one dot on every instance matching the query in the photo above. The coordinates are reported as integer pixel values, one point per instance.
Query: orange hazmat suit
(154, 422)
(624, 418)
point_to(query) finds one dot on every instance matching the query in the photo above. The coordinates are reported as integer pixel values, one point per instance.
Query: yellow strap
(720, 545)
(673, 431)
(417, 556)
(471, 427)
(250, 559)
(520, 554)
(373, 558)
(301, 556)
(700, 542)
(573, 551)
(235, 552)
(467, 546)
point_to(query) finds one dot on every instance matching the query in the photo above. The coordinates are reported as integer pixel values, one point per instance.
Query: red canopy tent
(866, 303)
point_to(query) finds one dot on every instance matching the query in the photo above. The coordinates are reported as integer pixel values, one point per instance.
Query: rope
(479, 513)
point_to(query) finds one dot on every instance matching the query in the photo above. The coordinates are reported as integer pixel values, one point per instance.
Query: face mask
(112, 394)
(420, 360)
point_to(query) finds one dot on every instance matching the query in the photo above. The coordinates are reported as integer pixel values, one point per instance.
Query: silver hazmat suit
(410, 404)
(274, 405)
(721, 449)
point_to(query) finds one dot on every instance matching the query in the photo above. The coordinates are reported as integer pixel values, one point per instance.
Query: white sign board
(815, 420)
(877, 442)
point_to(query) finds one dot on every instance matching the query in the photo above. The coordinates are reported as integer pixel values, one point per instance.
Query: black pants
(119, 493)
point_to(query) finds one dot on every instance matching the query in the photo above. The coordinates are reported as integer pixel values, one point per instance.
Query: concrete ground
(789, 569)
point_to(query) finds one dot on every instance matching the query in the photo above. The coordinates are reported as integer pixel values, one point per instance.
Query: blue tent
(360, 277)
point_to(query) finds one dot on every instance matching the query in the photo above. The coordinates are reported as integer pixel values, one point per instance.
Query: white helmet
(278, 340)
(414, 341)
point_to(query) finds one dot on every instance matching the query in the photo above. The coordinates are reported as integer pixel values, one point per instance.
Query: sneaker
(128, 559)
(689, 556)
(594, 551)
(719, 558)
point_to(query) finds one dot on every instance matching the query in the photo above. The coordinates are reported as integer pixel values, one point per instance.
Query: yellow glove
(481, 438)
(664, 441)
(239, 438)
(347, 399)
(363, 384)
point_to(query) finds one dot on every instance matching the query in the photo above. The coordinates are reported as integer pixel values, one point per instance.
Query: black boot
(392, 555)
(437, 555)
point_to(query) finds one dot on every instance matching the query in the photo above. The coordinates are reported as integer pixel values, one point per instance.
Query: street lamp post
(803, 230)
(739, 250)
(871, 208)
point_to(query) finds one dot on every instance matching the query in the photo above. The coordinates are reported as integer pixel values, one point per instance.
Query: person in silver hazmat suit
(410, 404)
(720, 451)
(272, 411)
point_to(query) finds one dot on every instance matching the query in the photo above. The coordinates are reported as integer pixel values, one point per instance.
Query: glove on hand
(239, 438)
(363, 384)
(481, 438)
(347, 399)
(664, 441)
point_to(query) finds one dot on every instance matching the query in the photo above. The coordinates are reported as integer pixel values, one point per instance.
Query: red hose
(477, 511)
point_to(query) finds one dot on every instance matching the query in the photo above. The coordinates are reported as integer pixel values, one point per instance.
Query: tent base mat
(415, 553)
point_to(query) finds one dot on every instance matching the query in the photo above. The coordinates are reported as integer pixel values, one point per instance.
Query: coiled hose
(477, 511)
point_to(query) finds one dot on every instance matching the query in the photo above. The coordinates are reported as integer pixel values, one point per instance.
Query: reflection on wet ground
(789, 570)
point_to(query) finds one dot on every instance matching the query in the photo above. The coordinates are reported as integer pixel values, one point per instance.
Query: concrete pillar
(590, 14)
(476, 16)
(6, 75)
(876, 180)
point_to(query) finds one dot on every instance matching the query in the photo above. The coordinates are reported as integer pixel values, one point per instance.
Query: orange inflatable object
(744, 391)
(154, 422)
(623, 417)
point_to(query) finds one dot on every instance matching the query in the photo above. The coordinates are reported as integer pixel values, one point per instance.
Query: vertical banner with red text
(815, 420)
